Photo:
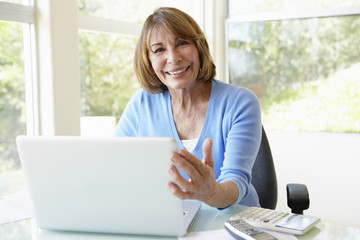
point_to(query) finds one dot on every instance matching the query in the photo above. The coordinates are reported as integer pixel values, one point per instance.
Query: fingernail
(175, 159)
(171, 169)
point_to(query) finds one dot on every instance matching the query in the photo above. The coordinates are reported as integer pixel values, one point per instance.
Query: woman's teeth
(178, 72)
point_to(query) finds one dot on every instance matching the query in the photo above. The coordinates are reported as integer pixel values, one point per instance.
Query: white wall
(329, 164)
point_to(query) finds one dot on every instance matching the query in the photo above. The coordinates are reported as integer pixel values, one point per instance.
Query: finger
(176, 191)
(187, 162)
(207, 153)
(190, 158)
(178, 179)
(197, 163)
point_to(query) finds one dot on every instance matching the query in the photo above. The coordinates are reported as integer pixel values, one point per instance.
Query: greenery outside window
(12, 93)
(16, 102)
(106, 72)
(304, 70)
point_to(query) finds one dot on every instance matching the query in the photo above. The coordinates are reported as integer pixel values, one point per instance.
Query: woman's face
(175, 61)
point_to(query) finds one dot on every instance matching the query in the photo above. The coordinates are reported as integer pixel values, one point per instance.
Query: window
(107, 79)
(16, 103)
(302, 65)
(12, 93)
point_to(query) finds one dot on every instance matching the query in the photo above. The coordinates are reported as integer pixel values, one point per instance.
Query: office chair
(265, 183)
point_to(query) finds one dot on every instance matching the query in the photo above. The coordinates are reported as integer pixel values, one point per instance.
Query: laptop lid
(92, 184)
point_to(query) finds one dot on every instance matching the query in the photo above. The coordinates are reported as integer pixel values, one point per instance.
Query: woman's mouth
(178, 71)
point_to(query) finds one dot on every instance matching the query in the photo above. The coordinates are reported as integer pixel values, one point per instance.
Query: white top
(190, 144)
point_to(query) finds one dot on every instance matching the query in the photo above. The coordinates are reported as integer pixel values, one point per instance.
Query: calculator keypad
(261, 215)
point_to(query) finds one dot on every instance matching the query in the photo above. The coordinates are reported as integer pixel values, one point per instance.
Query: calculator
(239, 229)
(277, 220)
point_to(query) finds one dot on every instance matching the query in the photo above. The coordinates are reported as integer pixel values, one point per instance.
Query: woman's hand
(202, 184)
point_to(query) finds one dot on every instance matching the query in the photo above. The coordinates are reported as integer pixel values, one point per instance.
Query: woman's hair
(180, 25)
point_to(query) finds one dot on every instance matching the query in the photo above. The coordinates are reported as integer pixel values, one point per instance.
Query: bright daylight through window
(12, 93)
(304, 70)
(13, 116)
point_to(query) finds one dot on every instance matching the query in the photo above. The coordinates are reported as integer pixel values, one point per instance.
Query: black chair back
(264, 175)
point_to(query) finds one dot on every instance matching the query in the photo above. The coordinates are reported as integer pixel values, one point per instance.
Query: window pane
(106, 69)
(12, 104)
(238, 7)
(12, 94)
(135, 11)
(305, 72)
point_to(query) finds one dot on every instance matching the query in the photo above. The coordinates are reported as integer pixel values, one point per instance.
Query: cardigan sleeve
(242, 142)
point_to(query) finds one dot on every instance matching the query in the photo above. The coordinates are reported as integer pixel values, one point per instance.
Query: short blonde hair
(180, 25)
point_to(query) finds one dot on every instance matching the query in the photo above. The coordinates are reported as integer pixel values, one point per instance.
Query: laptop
(103, 184)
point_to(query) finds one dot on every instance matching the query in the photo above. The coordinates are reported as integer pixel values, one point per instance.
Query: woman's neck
(188, 98)
(189, 110)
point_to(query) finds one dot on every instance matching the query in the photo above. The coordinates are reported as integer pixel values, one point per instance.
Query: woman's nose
(174, 56)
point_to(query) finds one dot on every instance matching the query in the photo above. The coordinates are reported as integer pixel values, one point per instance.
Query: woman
(217, 126)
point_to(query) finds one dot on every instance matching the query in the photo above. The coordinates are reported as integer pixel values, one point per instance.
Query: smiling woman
(108, 33)
(173, 59)
(181, 99)
(185, 35)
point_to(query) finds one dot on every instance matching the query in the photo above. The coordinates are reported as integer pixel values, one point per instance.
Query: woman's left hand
(202, 184)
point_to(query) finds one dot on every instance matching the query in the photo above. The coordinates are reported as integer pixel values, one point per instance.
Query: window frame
(96, 24)
(25, 14)
(13, 12)
(294, 15)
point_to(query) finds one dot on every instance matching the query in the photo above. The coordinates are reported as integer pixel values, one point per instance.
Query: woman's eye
(183, 42)
(158, 50)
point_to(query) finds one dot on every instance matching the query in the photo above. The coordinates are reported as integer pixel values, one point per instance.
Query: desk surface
(207, 219)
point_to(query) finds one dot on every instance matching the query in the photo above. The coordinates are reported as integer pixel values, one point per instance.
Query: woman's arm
(242, 135)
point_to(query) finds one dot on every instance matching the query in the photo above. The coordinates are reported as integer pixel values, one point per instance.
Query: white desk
(207, 219)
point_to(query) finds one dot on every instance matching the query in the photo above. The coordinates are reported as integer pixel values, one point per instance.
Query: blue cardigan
(233, 122)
